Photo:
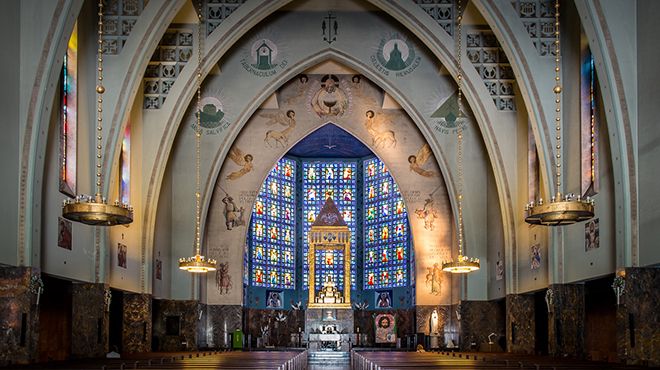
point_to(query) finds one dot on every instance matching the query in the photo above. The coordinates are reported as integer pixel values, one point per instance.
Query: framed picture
(383, 299)
(535, 252)
(274, 299)
(64, 233)
(122, 253)
(591, 235)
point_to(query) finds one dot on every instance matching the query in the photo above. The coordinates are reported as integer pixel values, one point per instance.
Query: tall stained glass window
(69, 116)
(386, 229)
(337, 180)
(125, 167)
(273, 225)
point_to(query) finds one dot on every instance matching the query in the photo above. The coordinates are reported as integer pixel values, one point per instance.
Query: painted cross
(329, 27)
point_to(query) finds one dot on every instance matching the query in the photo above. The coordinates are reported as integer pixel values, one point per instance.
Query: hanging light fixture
(463, 263)
(562, 209)
(198, 263)
(94, 210)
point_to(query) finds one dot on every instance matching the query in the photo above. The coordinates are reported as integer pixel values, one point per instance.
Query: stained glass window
(69, 116)
(125, 167)
(273, 227)
(589, 122)
(337, 180)
(386, 229)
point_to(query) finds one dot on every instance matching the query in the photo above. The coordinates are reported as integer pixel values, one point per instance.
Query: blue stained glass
(337, 180)
(386, 239)
(273, 229)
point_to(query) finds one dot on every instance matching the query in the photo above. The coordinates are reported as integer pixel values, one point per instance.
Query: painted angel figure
(241, 159)
(418, 160)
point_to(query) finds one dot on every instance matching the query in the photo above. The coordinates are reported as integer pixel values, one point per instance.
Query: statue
(434, 322)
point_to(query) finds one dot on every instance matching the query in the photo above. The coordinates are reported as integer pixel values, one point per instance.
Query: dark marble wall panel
(175, 324)
(638, 317)
(136, 334)
(478, 320)
(222, 321)
(566, 320)
(278, 332)
(520, 325)
(19, 311)
(89, 332)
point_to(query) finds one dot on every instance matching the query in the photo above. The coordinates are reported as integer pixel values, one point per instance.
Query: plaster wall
(10, 24)
(648, 91)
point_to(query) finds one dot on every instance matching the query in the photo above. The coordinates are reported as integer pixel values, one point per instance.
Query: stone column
(136, 330)
(90, 318)
(19, 321)
(520, 324)
(478, 320)
(637, 316)
(221, 322)
(566, 320)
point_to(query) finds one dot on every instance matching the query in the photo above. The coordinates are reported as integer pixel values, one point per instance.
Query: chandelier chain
(557, 90)
(99, 102)
(459, 185)
(198, 132)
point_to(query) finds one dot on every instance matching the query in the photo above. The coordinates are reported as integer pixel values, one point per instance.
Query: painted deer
(280, 137)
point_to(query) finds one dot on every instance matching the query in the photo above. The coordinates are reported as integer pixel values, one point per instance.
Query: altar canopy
(329, 253)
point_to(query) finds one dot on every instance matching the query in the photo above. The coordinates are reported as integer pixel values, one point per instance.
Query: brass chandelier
(198, 263)
(562, 209)
(463, 263)
(94, 210)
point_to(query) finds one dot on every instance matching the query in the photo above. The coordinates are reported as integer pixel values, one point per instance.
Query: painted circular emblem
(263, 59)
(446, 118)
(211, 117)
(395, 54)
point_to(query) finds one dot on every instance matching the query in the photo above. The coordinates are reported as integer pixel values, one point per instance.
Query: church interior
(331, 184)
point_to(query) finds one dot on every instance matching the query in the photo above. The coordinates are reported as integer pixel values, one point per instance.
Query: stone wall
(638, 322)
(89, 332)
(222, 321)
(175, 324)
(566, 321)
(478, 320)
(520, 324)
(278, 332)
(136, 329)
(19, 321)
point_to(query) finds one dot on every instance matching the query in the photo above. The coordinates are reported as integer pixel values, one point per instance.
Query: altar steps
(329, 360)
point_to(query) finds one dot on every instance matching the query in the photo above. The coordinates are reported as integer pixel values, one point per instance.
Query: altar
(329, 329)
(329, 317)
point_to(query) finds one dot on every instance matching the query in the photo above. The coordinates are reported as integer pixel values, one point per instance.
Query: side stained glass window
(69, 117)
(386, 229)
(125, 167)
(322, 180)
(273, 226)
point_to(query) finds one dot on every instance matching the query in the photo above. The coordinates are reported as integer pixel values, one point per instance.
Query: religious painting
(64, 233)
(275, 138)
(591, 235)
(234, 216)
(419, 159)
(223, 279)
(274, 299)
(159, 268)
(242, 160)
(122, 255)
(433, 279)
(428, 213)
(383, 298)
(385, 328)
(535, 252)
(380, 136)
(330, 100)
(499, 268)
